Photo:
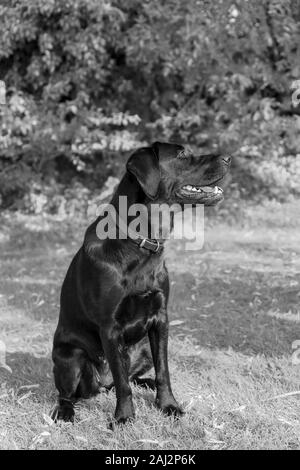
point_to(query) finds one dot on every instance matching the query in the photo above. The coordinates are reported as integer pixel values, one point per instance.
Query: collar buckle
(149, 245)
(158, 246)
(143, 242)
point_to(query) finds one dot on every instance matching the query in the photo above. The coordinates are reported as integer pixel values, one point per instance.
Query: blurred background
(89, 81)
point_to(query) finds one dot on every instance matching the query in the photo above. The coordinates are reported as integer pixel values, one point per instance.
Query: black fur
(113, 323)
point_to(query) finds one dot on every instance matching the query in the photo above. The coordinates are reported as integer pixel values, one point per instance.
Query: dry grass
(235, 304)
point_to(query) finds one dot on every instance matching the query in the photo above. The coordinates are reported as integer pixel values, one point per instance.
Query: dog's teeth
(194, 189)
(208, 189)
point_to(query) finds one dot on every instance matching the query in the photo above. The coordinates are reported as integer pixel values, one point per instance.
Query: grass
(234, 314)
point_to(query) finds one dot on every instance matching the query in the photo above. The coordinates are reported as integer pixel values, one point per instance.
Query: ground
(235, 317)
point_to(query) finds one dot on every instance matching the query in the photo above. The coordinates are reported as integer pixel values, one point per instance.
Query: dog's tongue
(207, 189)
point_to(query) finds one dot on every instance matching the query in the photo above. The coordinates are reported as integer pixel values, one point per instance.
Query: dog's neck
(153, 226)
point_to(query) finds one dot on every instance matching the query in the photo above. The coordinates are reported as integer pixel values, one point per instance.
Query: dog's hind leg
(70, 375)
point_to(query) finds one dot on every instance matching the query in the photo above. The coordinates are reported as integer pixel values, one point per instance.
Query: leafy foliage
(90, 79)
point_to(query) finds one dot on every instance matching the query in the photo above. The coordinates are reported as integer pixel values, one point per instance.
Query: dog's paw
(124, 419)
(171, 409)
(124, 414)
(63, 413)
(119, 420)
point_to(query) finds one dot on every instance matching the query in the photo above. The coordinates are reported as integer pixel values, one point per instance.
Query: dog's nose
(227, 160)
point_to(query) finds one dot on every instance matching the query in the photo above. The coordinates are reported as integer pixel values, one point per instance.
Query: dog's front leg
(158, 336)
(119, 364)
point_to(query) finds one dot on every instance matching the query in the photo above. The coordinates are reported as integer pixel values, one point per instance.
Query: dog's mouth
(191, 190)
(208, 195)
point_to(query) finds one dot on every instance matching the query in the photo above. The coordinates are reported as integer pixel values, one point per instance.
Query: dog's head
(170, 173)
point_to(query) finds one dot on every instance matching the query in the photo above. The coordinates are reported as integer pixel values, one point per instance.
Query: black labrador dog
(113, 323)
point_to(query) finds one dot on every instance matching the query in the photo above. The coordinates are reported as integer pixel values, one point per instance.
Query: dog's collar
(151, 244)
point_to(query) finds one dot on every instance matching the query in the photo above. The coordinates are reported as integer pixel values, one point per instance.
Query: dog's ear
(144, 165)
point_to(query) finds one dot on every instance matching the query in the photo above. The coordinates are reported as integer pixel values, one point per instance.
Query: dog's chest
(137, 313)
(144, 279)
(143, 302)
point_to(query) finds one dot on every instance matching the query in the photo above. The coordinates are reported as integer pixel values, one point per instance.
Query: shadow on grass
(218, 314)
(28, 371)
